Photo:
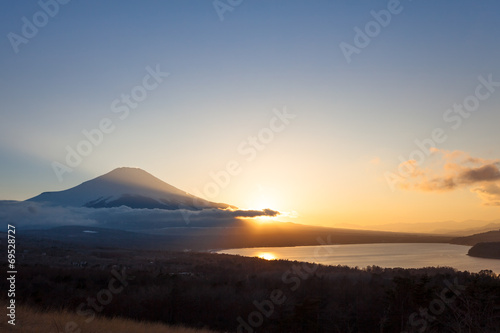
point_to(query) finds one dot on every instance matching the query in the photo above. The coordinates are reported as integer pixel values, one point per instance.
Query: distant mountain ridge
(463, 228)
(131, 187)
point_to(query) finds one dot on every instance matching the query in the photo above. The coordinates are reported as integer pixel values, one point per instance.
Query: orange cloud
(454, 170)
(489, 193)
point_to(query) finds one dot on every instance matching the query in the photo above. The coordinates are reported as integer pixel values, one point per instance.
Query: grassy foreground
(29, 320)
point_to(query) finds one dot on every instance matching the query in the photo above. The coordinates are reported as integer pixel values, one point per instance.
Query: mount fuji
(131, 187)
(130, 208)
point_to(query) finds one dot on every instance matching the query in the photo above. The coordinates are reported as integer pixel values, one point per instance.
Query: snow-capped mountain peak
(132, 187)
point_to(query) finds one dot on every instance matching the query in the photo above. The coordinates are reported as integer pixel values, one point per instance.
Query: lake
(414, 255)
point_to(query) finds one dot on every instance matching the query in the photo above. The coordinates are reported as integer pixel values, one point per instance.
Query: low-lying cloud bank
(24, 214)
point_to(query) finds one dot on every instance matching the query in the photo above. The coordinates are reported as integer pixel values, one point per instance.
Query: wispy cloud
(490, 194)
(451, 170)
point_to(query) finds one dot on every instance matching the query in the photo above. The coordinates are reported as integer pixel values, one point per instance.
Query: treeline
(238, 294)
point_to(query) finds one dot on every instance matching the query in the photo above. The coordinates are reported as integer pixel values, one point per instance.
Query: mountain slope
(238, 235)
(130, 187)
(463, 228)
(490, 236)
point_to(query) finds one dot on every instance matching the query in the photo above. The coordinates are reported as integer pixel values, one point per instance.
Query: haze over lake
(415, 255)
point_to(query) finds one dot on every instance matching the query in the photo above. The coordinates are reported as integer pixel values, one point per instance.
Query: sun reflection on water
(267, 256)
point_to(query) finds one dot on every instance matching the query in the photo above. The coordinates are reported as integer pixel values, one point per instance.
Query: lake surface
(414, 255)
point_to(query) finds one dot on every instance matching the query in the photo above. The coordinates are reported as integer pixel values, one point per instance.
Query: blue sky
(225, 79)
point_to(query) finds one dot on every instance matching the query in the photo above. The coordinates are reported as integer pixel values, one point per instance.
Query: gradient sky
(327, 166)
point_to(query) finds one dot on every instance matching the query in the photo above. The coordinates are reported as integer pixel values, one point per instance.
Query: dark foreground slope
(237, 294)
(29, 320)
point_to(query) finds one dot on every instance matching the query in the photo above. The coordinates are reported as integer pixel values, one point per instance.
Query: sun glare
(264, 198)
(267, 256)
(261, 203)
(265, 219)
